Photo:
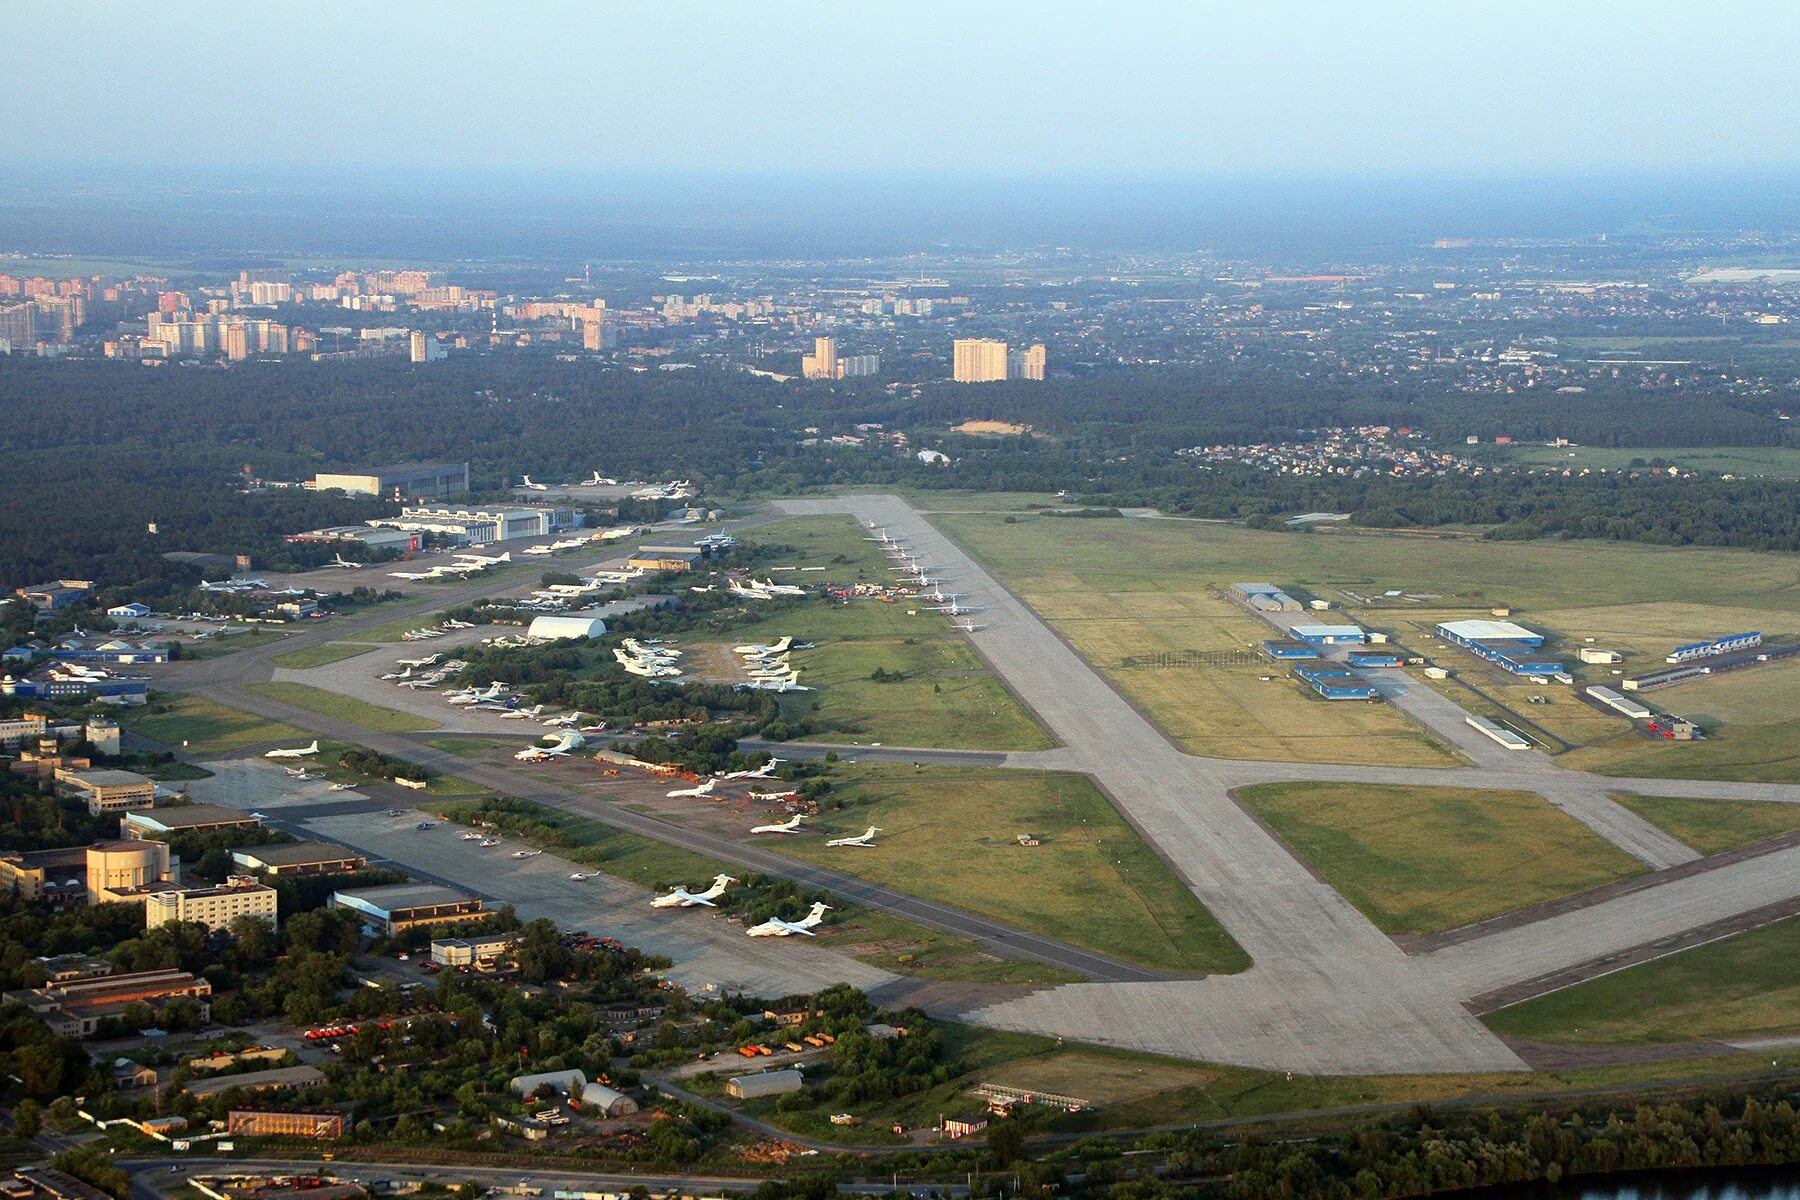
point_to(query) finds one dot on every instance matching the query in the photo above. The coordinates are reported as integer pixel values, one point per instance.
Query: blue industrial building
(1330, 635)
(1724, 645)
(1374, 658)
(1506, 645)
(1289, 651)
(122, 691)
(1335, 683)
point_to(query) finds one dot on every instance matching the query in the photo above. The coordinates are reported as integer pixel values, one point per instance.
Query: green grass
(320, 655)
(232, 638)
(1420, 860)
(1742, 986)
(1752, 719)
(203, 727)
(345, 708)
(949, 833)
(659, 866)
(946, 697)
(1781, 462)
(1710, 826)
(391, 631)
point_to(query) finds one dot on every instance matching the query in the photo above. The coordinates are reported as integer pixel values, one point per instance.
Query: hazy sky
(978, 86)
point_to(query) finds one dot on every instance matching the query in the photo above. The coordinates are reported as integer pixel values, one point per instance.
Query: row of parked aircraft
(762, 589)
(651, 660)
(770, 667)
(913, 570)
(464, 564)
(680, 897)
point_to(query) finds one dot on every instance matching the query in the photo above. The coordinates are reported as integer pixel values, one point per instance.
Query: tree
(1006, 1143)
(28, 1118)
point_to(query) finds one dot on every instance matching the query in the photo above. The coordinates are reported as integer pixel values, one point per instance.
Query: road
(1328, 993)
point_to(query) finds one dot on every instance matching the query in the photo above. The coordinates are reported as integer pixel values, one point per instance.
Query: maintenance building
(553, 627)
(1265, 597)
(1508, 646)
(405, 481)
(467, 525)
(185, 818)
(299, 858)
(1330, 635)
(395, 908)
(1289, 651)
(764, 1083)
(1334, 683)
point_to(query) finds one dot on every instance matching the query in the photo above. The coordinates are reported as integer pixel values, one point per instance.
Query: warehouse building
(76, 1008)
(395, 908)
(275, 1079)
(1265, 597)
(665, 558)
(1330, 635)
(1373, 658)
(398, 540)
(407, 481)
(1333, 683)
(764, 1083)
(299, 858)
(564, 626)
(185, 818)
(1621, 703)
(1508, 646)
(1723, 645)
(1289, 651)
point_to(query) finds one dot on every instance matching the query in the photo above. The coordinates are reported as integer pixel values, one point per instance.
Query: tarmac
(1328, 992)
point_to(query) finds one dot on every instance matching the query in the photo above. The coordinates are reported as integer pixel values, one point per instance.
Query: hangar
(558, 627)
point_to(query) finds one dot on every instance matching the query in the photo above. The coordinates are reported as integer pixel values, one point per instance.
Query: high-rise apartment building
(1027, 363)
(822, 363)
(978, 360)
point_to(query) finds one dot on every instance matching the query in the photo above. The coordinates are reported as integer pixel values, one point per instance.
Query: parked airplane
(489, 843)
(953, 608)
(583, 875)
(295, 752)
(418, 662)
(524, 714)
(704, 789)
(599, 480)
(775, 648)
(533, 487)
(296, 773)
(865, 839)
(566, 721)
(779, 589)
(776, 927)
(791, 825)
(338, 560)
(969, 626)
(762, 772)
(526, 853)
(471, 836)
(768, 796)
(477, 560)
(415, 576)
(682, 898)
(544, 548)
(339, 787)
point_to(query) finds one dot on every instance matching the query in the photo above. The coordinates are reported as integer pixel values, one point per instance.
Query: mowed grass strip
(1710, 826)
(344, 708)
(951, 834)
(1420, 860)
(321, 655)
(202, 727)
(1739, 987)
(945, 696)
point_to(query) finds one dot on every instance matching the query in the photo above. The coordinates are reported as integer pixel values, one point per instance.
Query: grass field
(230, 639)
(345, 708)
(1421, 860)
(1135, 586)
(1777, 461)
(202, 727)
(391, 631)
(949, 833)
(890, 942)
(946, 698)
(1710, 826)
(321, 655)
(1739, 987)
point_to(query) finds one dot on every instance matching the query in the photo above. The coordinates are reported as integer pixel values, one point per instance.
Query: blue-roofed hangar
(1502, 643)
(1335, 683)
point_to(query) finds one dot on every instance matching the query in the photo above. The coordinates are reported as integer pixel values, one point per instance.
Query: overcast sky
(988, 87)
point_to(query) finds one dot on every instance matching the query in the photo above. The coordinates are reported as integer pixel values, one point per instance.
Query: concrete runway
(1328, 993)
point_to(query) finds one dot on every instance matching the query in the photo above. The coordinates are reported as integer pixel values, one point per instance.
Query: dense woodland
(93, 452)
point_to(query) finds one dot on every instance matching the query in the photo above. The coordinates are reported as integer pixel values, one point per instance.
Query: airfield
(1334, 985)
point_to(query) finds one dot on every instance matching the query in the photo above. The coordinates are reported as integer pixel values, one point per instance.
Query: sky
(980, 88)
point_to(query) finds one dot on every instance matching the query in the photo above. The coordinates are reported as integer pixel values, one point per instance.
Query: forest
(98, 452)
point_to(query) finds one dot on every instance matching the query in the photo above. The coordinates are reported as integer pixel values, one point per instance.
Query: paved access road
(1328, 992)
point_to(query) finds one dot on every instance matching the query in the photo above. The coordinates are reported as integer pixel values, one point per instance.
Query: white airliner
(969, 626)
(775, 648)
(545, 548)
(953, 608)
(779, 589)
(578, 875)
(339, 787)
(526, 853)
(769, 796)
(296, 773)
(338, 560)
(471, 561)
(682, 898)
(599, 480)
(776, 927)
(418, 662)
(865, 839)
(295, 752)
(704, 789)
(477, 696)
(791, 825)
(566, 721)
(523, 714)
(533, 487)
(762, 772)
(413, 575)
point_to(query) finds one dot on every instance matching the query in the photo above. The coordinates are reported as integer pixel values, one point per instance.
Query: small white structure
(572, 625)
(1593, 654)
